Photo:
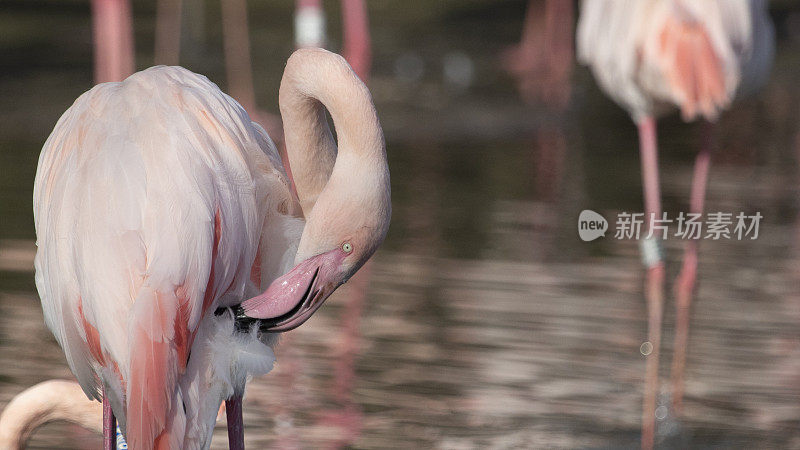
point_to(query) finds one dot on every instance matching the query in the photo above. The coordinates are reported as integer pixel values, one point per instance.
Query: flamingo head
(343, 230)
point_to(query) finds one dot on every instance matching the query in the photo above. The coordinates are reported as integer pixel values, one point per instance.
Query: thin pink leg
(109, 426)
(684, 285)
(357, 50)
(654, 290)
(113, 40)
(233, 412)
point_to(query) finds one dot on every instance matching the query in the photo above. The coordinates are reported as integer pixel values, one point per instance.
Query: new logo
(591, 225)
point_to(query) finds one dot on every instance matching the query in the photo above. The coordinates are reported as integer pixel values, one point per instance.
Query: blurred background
(483, 321)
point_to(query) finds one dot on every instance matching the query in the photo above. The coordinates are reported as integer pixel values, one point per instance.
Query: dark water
(486, 322)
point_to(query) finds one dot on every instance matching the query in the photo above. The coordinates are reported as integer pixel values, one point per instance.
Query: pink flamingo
(161, 209)
(655, 56)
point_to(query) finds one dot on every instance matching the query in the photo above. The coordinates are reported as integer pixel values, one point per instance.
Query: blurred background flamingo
(652, 58)
(542, 66)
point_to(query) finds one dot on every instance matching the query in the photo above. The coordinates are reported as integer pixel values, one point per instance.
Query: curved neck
(45, 402)
(316, 80)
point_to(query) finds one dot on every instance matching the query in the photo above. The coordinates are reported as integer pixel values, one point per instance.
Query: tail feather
(158, 337)
(693, 69)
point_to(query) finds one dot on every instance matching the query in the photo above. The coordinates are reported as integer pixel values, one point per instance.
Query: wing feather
(150, 202)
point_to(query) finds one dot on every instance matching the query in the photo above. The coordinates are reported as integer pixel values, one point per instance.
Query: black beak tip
(241, 321)
(238, 312)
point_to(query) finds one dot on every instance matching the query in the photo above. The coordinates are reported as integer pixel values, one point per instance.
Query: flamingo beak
(293, 298)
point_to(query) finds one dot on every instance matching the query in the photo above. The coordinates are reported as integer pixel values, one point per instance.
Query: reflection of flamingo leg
(551, 151)
(348, 418)
(109, 426)
(655, 276)
(684, 285)
(113, 40)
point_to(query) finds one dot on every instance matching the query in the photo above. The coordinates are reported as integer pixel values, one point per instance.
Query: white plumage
(128, 189)
(639, 50)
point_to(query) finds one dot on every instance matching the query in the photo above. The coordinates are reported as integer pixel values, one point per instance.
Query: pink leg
(233, 412)
(357, 49)
(113, 40)
(684, 285)
(655, 277)
(109, 426)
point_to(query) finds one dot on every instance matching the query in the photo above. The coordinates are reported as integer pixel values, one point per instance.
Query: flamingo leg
(654, 290)
(233, 412)
(113, 40)
(357, 48)
(685, 283)
(109, 425)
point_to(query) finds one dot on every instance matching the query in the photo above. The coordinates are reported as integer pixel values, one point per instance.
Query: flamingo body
(153, 199)
(653, 56)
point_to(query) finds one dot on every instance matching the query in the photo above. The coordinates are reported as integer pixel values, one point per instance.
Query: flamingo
(161, 212)
(653, 57)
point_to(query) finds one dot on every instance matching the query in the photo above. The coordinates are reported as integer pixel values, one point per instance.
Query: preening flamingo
(161, 210)
(655, 56)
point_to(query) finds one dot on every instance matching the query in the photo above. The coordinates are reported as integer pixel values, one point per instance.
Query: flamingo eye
(347, 247)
